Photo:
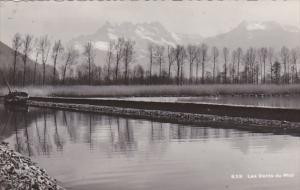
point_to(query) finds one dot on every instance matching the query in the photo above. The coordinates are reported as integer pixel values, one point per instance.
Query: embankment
(225, 116)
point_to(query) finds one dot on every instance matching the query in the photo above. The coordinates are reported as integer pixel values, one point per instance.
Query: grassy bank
(160, 90)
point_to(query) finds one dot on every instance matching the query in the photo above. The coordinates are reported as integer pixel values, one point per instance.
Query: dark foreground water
(92, 151)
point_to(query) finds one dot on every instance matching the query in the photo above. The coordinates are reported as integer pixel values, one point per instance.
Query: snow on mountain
(293, 29)
(255, 26)
(176, 37)
(100, 45)
(246, 34)
(257, 34)
(141, 33)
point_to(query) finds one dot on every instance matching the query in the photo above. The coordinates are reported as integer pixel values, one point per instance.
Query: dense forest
(191, 64)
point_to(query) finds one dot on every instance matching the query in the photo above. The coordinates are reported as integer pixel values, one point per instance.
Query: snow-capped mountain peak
(257, 34)
(246, 34)
(290, 28)
(255, 26)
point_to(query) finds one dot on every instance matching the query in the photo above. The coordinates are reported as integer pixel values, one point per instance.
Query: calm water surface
(91, 151)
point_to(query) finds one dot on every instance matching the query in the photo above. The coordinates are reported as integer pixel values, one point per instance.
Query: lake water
(91, 151)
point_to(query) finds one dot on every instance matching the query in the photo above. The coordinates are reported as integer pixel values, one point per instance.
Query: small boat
(14, 98)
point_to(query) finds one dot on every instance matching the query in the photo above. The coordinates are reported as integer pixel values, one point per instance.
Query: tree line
(171, 64)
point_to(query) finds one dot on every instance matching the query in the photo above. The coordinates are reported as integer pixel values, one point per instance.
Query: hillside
(6, 64)
(257, 34)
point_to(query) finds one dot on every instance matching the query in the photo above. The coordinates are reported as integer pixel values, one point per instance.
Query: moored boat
(16, 98)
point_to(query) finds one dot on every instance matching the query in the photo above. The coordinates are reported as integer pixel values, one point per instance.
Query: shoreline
(160, 90)
(242, 123)
(20, 172)
(230, 110)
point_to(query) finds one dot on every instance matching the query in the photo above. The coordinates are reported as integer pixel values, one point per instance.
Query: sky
(66, 20)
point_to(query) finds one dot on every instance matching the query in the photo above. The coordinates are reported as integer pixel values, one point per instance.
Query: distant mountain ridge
(6, 64)
(141, 33)
(257, 34)
(246, 34)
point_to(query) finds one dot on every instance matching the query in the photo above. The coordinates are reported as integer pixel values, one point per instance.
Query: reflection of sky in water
(91, 151)
(278, 101)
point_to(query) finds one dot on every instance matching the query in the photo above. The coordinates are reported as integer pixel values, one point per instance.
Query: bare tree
(139, 73)
(151, 56)
(204, 56)
(37, 53)
(192, 55)
(270, 58)
(56, 51)
(182, 61)
(89, 54)
(198, 61)
(27, 47)
(284, 53)
(171, 59)
(294, 58)
(16, 45)
(264, 54)
(225, 56)
(119, 48)
(250, 58)
(179, 56)
(215, 55)
(70, 57)
(97, 74)
(233, 64)
(239, 55)
(159, 56)
(276, 69)
(45, 49)
(128, 57)
(109, 58)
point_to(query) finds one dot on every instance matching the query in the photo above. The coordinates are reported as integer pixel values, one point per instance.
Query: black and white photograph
(150, 95)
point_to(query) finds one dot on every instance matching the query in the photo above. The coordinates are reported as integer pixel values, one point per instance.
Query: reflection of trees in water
(18, 144)
(46, 139)
(22, 143)
(27, 135)
(39, 140)
(36, 138)
(157, 131)
(71, 128)
(216, 132)
(4, 121)
(125, 141)
(41, 131)
(188, 132)
(59, 142)
(112, 139)
(89, 130)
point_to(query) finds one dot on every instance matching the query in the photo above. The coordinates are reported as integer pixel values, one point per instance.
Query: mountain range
(246, 34)
(258, 34)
